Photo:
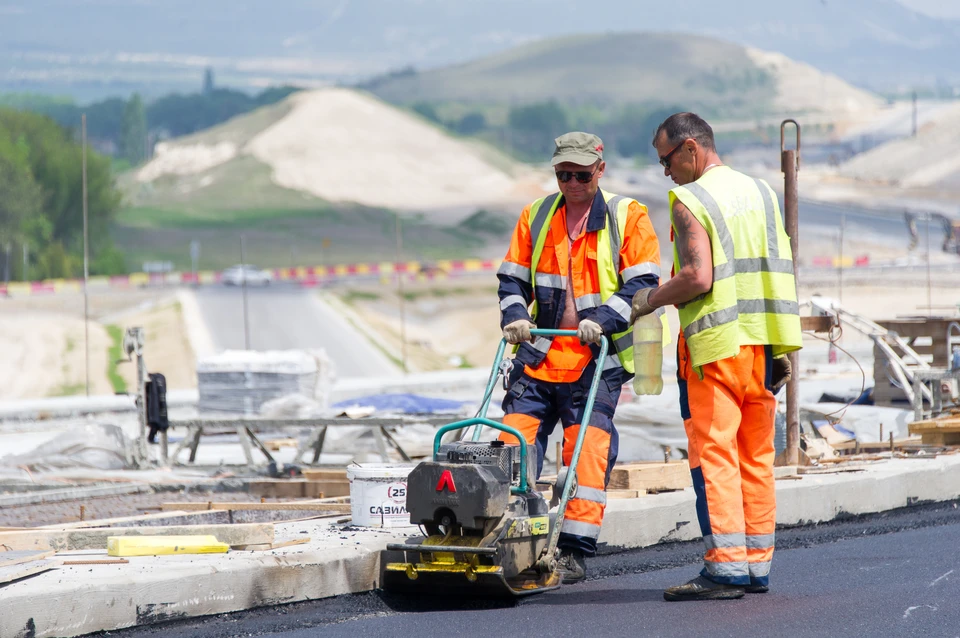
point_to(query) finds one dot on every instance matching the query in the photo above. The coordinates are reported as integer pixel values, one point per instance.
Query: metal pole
(929, 297)
(243, 286)
(86, 253)
(914, 114)
(403, 315)
(26, 250)
(843, 223)
(790, 165)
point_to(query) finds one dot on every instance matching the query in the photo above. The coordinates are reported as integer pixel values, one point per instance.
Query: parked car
(245, 273)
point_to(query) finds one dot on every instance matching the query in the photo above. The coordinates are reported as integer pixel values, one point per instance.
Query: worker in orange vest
(577, 256)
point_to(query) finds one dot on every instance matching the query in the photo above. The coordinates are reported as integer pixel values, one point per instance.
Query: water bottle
(648, 355)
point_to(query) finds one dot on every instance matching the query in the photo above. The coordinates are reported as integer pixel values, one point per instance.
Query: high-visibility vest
(608, 263)
(753, 300)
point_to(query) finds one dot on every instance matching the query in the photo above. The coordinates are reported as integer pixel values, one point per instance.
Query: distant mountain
(634, 68)
(91, 45)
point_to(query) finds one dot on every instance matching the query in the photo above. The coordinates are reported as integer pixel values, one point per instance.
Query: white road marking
(909, 610)
(941, 578)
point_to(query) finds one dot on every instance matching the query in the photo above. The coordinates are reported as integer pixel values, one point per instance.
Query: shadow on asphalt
(438, 602)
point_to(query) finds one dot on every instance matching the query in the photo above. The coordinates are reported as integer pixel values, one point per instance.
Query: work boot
(756, 589)
(572, 566)
(702, 588)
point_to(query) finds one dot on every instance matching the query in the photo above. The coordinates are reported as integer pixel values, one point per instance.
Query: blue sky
(936, 8)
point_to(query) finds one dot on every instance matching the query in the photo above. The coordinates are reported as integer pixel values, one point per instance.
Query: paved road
(284, 317)
(895, 574)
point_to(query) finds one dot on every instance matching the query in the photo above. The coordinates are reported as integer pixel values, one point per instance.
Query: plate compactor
(487, 530)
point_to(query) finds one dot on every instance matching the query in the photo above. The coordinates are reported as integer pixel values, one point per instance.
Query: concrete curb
(339, 560)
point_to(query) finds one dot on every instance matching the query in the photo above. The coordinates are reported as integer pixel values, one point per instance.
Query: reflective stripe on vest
(608, 263)
(753, 300)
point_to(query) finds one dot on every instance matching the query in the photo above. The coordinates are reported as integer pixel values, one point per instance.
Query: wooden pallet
(937, 431)
(651, 477)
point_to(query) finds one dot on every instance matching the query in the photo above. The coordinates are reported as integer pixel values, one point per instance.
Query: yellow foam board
(164, 545)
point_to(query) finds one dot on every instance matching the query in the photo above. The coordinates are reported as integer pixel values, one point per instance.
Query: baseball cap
(578, 147)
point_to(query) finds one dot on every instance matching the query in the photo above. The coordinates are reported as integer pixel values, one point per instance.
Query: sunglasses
(665, 160)
(583, 177)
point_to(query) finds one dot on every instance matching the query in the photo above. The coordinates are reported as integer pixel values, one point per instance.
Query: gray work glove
(782, 371)
(518, 331)
(589, 332)
(640, 305)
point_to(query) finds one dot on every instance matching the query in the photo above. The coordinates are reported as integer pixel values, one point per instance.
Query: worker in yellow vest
(734, 286)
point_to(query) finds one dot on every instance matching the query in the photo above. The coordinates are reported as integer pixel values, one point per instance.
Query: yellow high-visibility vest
(753, 300)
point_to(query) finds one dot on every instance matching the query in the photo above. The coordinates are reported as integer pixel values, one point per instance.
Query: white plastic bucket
(378, 494)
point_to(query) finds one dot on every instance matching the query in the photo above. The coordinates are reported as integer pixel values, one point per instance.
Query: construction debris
(277, 545)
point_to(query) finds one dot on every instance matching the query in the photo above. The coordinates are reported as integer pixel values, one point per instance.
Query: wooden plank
(97, 561)
(305, 507)
(934, 425)
(65, 540)
(324, 475)
(278, 488)
(940, 438)
(818, 323)
(652, 477)
(16, 572)
(875, 446)
(326, 488)
(277, 545)
(299, 488)
(8, 559)
(275, 445)
(172, 518)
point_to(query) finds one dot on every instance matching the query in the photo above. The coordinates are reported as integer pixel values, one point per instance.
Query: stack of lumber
(648, 478)
(940, 431)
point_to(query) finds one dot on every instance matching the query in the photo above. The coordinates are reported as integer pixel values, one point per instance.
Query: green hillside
(598, 70)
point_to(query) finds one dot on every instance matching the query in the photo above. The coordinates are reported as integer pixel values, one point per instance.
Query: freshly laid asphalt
(892, 574)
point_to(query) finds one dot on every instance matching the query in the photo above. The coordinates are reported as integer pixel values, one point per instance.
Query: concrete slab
(71, 601)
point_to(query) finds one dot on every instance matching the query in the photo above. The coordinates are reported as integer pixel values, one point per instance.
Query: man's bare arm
(696, 275)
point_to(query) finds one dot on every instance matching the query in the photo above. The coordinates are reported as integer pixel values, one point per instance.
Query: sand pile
(345, 146)
(926, 161)
(801, 87)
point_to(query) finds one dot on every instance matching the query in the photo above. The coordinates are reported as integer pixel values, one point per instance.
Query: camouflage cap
(579, 148)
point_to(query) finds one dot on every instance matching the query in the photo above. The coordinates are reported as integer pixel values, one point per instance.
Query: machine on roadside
(486, 528)
(951, 230)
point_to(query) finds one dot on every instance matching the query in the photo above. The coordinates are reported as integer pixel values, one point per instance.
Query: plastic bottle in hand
(648, 355)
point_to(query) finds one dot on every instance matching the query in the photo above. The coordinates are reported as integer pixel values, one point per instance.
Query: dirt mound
(345, 146)
(924, 161)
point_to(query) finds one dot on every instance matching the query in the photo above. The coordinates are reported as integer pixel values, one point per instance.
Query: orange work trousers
(728, 413)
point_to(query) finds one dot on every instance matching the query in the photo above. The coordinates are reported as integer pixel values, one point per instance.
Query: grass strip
(115, 354)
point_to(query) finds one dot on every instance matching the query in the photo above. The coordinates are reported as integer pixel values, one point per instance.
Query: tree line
(41, 220)
(127, 128)
(529, 130)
